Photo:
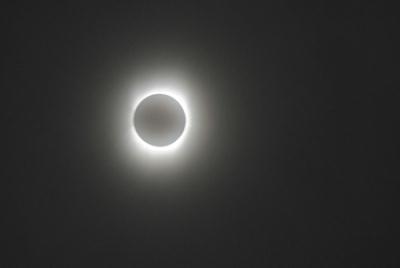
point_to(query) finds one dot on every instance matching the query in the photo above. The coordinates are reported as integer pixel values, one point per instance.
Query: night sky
(296, 163)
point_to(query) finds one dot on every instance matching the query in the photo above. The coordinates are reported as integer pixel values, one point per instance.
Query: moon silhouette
(159, 120)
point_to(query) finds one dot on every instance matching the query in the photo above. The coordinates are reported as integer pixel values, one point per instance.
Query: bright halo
(180, 140)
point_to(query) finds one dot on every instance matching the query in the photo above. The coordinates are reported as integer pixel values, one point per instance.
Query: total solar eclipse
(159, 120)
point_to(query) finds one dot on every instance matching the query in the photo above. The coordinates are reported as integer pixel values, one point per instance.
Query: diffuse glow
(137, 155)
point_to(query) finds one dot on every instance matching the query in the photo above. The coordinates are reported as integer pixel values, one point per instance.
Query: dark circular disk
(159, 120)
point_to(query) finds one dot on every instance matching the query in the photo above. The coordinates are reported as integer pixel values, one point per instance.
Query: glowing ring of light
(180, 140)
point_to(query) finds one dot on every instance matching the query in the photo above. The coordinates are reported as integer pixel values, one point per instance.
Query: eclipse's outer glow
(136, 150)
(168, 101)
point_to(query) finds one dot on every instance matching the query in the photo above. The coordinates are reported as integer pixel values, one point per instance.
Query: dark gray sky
(298, 169)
